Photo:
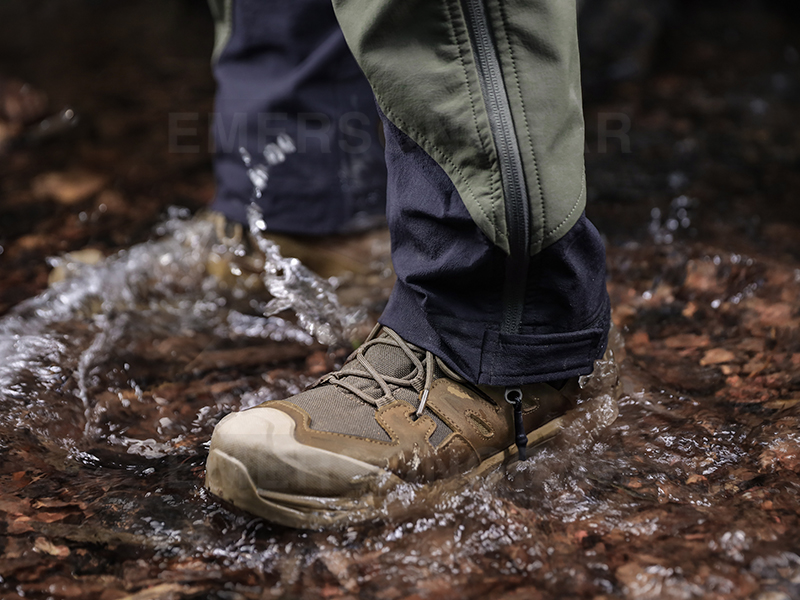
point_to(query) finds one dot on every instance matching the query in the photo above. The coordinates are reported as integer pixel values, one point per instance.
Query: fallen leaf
(623, 314)
(49, 517)
(69, 187)
(254, 355)
(21, 525)
(44, 545)
(687, 340)
(783, 453)
(56, 503)
(777, 315)
(752, 344)
(701, 275)
(164, 591)
(15, 506)
(782, 404)
(639, 342)
(717, 356)
(317, 364)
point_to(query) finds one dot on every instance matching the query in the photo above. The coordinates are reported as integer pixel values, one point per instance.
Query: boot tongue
(387, 359)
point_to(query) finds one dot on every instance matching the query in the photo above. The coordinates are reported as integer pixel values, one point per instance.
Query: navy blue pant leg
(286, 68)
(448, 297)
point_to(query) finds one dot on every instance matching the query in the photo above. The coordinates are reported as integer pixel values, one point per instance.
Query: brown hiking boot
(393, 414)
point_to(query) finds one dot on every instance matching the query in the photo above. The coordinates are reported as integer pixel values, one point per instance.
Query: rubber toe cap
(262, 439)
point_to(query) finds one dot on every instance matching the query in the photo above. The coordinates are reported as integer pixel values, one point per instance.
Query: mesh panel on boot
(335, 410)
(389, 361)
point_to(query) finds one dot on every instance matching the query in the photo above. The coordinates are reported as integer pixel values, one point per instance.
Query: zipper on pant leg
(515, 191)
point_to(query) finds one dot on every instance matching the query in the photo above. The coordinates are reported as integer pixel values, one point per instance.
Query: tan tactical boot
(393, 414)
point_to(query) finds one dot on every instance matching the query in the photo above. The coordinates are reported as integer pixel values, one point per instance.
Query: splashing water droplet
(259, 178)
(295, 287)
(292, 285)
(286, 143)
(246, 158)
(274, 155)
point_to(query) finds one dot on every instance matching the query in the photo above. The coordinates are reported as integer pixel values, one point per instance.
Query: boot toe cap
(262, 440)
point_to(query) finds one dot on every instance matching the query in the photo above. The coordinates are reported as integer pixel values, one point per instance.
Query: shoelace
(421, 373)
(513, 395)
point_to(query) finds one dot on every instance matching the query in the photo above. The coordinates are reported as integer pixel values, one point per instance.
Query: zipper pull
(513, 396)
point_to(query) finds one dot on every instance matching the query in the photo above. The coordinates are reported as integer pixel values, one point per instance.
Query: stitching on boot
(479, 424)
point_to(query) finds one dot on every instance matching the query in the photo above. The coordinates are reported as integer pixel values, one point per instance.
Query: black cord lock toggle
(513, 396)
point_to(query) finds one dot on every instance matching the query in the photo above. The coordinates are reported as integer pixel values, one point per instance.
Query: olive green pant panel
(538, 47)
(222, 11)
(419, 60)
(417, 56)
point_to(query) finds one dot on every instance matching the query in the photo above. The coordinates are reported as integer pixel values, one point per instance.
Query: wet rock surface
(109, 394)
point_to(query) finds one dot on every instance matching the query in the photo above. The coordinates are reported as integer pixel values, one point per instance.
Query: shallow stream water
(113, 379)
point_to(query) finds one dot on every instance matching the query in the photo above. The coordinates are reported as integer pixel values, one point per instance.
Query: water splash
(664, 227)
(292, 285)
(75, 340)
(195, 290)
(274, 154)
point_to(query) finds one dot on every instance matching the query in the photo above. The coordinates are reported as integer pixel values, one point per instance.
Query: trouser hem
(483, 355)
